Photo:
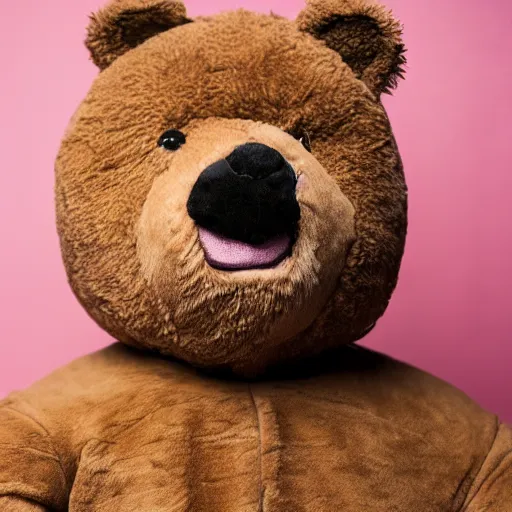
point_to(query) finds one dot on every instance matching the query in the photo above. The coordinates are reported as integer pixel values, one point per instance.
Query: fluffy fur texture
(133, 254)
(125, 24)
(125, 430)
(366, 36)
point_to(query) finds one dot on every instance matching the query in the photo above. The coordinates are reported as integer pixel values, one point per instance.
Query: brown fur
(125, 24)
(348, 429)
(122, 431)
(201, 78)
(366, 36)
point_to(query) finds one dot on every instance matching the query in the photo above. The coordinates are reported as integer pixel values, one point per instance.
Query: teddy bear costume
(232, 208)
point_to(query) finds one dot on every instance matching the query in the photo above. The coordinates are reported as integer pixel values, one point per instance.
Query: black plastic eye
(302, 136)
(172, 140)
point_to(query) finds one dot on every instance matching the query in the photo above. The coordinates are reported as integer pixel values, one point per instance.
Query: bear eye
(172, 140)
(303, 137)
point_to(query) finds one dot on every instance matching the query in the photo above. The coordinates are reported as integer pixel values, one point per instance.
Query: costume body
(118, 430)
(230, 197)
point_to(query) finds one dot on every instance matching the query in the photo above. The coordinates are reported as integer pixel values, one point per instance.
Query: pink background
(450, 314)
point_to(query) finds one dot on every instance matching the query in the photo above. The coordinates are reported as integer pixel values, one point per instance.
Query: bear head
(230, 192)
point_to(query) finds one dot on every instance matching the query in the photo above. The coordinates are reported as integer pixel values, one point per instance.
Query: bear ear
(365, 34)
(124, 24)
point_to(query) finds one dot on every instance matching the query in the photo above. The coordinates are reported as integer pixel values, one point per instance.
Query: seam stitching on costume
(50, 438)
(260, 458)
(498, 424)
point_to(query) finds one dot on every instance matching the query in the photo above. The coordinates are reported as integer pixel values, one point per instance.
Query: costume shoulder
(353, 417)
(381, 424)
(91, 394)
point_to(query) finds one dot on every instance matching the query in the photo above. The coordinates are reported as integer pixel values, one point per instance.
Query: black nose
(249, 196)
(256, 160)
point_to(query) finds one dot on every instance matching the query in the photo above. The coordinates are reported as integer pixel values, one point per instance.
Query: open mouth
(246, 209)
(227, 254)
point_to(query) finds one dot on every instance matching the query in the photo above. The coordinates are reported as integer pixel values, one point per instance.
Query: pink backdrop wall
(450, 314)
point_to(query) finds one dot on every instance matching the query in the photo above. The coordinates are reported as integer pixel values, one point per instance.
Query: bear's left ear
(365, 34)
(124, 24)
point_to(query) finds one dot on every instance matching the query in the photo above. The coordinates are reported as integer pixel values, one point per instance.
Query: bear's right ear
(124, 24)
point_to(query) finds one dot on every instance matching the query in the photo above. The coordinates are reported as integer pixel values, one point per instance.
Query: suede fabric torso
(122, 431)
(230, 195)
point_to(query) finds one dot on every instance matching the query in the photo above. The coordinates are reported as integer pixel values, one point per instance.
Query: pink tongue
(231, 254)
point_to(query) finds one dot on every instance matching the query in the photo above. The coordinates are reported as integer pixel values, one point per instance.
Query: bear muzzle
(246, 209)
